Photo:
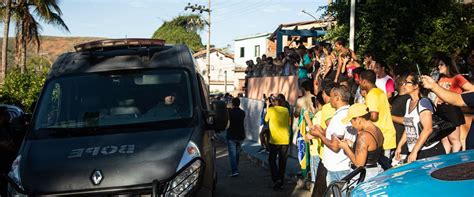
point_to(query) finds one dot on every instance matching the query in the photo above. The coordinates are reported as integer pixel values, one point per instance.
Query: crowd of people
(360, 113)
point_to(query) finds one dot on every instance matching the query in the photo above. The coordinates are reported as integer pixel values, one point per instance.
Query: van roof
(122, 57)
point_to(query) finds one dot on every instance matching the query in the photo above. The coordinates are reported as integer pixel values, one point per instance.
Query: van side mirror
(221, 115)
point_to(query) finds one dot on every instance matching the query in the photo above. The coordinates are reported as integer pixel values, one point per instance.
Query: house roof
(204, 52)
(253, 36)
(302, 23)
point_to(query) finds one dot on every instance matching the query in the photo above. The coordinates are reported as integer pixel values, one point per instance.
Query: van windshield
(115, 98)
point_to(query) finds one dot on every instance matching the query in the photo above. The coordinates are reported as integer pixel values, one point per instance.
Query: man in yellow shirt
(377, 102)
(278, 117)
(322, 119)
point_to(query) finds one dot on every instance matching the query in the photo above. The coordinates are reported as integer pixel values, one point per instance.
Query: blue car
(444, 175)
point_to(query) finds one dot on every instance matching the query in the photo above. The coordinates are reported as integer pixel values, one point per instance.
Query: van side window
(52, 107)
(205, 102)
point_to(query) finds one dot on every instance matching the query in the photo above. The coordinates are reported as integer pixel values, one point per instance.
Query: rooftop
(253, 36)
(203, 52)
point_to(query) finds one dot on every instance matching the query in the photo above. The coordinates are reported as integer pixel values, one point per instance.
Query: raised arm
(446, 95)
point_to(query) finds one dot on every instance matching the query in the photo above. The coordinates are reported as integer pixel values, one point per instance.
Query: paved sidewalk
(250, 148)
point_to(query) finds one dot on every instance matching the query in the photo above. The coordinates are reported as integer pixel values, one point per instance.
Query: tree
(6, 27)
(22, 89)
(406, 31)
(24, 14)
(182, 30)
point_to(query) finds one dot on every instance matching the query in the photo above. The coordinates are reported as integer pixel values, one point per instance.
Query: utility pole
(201, 9)
(352, 25)
(225, 81)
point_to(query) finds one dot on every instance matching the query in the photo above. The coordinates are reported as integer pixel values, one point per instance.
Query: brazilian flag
(303, 147)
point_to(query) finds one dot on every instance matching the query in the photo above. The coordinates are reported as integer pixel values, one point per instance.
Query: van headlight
(188, 172)
(186, 180)
(14, 174)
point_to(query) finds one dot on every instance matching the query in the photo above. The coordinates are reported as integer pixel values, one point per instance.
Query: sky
(230, 19)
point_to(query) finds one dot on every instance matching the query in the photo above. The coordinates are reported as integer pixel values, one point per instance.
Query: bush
(22, 90)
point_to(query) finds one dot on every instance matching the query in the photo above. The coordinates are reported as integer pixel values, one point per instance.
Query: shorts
(438, 149)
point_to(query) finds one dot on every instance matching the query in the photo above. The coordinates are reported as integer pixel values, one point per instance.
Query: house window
(242, 52)
(257, 50)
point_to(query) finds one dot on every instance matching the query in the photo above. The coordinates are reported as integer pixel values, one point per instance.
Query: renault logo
(97, 177)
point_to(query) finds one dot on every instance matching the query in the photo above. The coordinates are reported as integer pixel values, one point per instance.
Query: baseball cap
(355, 110)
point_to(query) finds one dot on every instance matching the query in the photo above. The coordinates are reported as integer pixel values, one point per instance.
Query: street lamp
(304, 11)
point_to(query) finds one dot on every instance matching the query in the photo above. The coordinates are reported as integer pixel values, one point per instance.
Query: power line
(237, 7)
(225, 4)
(246, 10)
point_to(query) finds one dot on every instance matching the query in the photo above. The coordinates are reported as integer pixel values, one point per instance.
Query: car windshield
(115, 98)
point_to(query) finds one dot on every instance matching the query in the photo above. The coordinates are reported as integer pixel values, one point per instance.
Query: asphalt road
(254, 180)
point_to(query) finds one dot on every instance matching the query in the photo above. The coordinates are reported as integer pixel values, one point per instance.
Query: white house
(222, 69)
(249, 48)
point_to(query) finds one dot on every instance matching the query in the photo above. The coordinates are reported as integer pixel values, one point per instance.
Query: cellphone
(339, 137)
(419, 72)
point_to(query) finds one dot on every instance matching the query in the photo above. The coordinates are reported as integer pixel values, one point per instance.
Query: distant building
(249, 48)
(222, 69)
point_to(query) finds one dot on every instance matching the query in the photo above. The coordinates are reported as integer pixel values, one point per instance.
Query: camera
(293, 57)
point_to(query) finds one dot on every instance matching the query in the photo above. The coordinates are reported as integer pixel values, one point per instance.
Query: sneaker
(261, 150)
(234, 174)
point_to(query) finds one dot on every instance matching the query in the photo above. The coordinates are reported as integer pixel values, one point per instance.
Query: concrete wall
(252, 109)
(286, 85)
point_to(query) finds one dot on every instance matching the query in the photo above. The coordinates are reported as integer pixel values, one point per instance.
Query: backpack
(441, 127)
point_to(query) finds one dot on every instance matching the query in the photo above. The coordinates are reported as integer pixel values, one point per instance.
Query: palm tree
(6, 25)
(27, 27)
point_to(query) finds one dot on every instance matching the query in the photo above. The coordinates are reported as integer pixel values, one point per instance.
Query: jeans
(336, 175)
(314, 163)
(278, 172)
(234, 147)
(320, 185)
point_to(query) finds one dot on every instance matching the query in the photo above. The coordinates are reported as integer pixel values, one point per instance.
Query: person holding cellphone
(418, 110)
(465, 99)
(451, 80)
(369, 141)
(335, 161)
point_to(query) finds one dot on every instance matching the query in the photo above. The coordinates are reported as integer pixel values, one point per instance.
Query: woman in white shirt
(418, 109)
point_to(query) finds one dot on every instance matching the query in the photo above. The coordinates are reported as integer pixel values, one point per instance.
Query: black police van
(117, 117)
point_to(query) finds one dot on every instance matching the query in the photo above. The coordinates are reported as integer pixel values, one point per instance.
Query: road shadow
(254, 179)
